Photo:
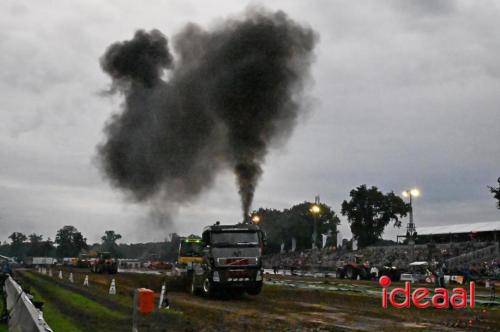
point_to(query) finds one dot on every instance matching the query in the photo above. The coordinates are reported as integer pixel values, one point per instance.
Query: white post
(60, 274)
(86, 281)
(71, 277)
(162, 294)
(112, 288)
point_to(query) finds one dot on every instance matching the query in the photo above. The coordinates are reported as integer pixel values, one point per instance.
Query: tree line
(368, 211)
(69, 242)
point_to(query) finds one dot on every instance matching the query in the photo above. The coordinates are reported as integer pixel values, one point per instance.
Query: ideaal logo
(440, 298)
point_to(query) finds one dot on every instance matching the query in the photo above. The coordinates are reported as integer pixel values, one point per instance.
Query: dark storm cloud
(232, 91)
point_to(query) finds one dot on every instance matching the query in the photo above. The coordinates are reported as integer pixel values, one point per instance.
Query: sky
(405, 94)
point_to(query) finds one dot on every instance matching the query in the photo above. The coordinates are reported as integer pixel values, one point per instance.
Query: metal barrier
(23, 316)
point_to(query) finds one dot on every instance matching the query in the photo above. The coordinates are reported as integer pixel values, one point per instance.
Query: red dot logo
(384, 281)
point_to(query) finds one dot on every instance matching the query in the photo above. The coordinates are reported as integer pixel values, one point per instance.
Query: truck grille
(237, 261)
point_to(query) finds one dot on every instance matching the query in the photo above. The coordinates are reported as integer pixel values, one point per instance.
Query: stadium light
(414, 192)
(315, 209)
(255, 219)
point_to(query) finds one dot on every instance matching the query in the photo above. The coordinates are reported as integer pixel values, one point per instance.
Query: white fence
(23, 316)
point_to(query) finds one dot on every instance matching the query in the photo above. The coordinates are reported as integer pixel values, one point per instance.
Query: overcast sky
(406, 93)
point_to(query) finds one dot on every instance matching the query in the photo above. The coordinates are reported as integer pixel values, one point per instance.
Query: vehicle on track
(354, 269)
(418, 272)
(230, 262)
(104, 263)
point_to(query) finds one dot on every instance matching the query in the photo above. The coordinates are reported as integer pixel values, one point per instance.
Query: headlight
(258, 277)
(216, 277)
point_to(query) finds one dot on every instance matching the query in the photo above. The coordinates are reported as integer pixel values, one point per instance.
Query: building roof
(460, 228)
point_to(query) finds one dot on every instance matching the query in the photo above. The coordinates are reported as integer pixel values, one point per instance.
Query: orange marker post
(145, 301)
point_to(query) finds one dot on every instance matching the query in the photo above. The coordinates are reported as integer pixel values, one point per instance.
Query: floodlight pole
(315, 211)
(411, 229)
(411, 224)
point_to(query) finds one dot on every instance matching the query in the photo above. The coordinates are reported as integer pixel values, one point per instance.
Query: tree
(109, 242)
(369, 211)
(270, 223)
(18, 246)
(39, 248)
(296, 222)
(69, 242)
(496, 193)
(35, 245)
(47, 248)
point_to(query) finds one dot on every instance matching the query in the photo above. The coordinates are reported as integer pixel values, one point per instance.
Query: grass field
(283, 305)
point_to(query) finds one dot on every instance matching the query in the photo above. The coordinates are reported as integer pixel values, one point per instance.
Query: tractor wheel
(193, 288)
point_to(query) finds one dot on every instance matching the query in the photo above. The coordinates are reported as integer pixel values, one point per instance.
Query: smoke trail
(230, 92)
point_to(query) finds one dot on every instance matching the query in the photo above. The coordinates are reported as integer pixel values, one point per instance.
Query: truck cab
(231, 260)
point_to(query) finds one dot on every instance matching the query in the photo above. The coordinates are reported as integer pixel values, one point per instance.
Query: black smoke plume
(228, 93)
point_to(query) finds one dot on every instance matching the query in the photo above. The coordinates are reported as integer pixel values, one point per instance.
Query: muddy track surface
(277, 308)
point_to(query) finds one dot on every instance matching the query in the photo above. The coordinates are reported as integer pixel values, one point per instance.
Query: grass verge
(56, 319)
(69, 307)
(73, 299)
(3, 327)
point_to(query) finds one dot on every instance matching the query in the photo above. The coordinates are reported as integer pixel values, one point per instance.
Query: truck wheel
(193, 289)
(207, 288)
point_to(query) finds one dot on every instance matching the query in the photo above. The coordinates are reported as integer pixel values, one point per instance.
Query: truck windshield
(190, 249)
(235, 238)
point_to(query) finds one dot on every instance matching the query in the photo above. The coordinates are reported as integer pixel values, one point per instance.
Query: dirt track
(277, 308)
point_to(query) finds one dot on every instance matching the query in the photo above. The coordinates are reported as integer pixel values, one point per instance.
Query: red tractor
(354, 269)
(104, 263)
